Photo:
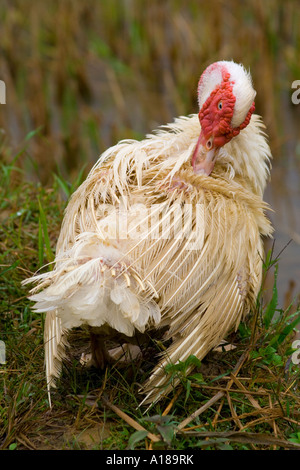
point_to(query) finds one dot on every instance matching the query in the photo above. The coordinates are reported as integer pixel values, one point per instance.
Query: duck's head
(226, 103)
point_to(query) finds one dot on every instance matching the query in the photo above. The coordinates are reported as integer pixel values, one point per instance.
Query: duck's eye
(209, 144)
(220, 105)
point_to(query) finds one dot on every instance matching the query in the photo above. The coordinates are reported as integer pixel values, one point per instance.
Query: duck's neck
(247, 157)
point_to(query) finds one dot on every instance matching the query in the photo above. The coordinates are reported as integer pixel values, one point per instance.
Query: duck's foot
(126, 353)
(100, 356)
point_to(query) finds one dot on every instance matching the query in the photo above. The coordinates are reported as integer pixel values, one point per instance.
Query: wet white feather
(113, 267)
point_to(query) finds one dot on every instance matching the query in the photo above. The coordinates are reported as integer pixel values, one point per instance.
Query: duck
(165, 234)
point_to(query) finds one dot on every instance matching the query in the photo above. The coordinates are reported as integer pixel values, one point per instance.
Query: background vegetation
(79, 77)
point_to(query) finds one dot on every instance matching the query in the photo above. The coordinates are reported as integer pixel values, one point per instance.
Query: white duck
(166, 232)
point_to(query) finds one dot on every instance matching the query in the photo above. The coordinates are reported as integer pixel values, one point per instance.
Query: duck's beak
(204, 156)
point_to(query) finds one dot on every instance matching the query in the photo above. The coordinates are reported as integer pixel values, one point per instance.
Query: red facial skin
(215, 118)
(217, 122)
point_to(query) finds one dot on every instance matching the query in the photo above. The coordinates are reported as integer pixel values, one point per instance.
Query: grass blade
(63, 184)
(43, 222)
(40, 244)
(271, 308)
(283, 334)
(14, 265)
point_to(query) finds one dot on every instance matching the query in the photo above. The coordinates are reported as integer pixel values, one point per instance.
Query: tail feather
(206, 330)
(55, 343)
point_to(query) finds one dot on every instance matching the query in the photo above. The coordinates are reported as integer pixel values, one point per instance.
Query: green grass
(259, 410)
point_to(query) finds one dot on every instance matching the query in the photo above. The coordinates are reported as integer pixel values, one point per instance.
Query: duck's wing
(207, 291)
(99, 262)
